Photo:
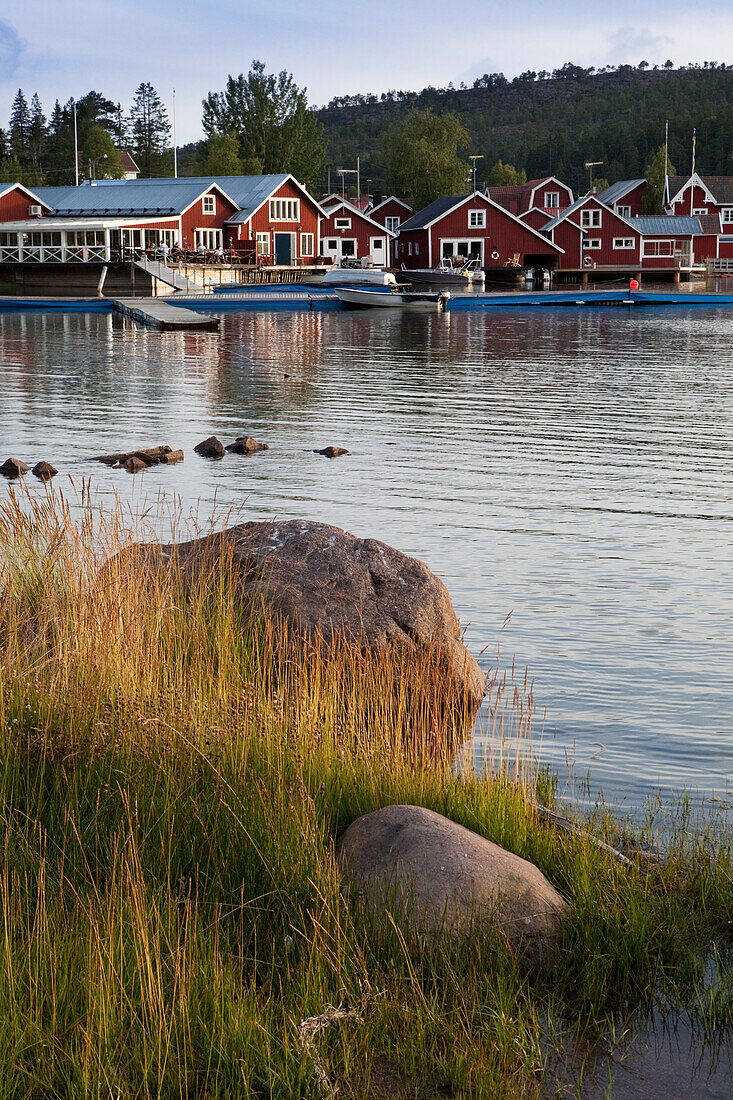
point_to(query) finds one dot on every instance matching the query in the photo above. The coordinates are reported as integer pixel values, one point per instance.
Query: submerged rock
(246, 445)
(44, 470)
(149, 455)
(14, 467)
(210, 448)
(134, 464)
(332, 452)
(172, 456)
(328, 584)
(436, 877)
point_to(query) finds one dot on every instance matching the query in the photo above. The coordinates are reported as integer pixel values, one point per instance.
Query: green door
(283, 248)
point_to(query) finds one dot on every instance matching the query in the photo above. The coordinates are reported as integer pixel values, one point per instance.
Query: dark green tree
(222, 158)
(655, 176)
(149, 132)
(270, 117)
(505, 175)
(37, 136)
(422, 157)
(19, 128)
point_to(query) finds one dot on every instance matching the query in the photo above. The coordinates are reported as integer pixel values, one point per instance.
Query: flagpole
(665, 197)
(175, 149)
(76, 150)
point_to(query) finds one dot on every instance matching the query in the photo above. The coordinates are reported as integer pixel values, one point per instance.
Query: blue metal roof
(665, 224)
(424, 217)
(617, 190)
(110, 198)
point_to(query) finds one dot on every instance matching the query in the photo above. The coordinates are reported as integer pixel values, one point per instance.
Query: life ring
(588, 261)
(495, 254)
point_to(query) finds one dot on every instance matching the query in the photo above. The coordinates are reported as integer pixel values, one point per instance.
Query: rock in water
(437, 877)
(246, 445)
(44, 470)
(134, 464)
(332, 452)
(327, 583)
(210, 448)
(149, 455)
(172, 456)
(14, 467)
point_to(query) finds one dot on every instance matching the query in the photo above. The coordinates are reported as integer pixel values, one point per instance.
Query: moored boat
(396, 298)
(358, 276)
(445, 274)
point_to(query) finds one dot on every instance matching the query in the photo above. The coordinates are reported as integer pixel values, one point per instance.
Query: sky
(64, 48)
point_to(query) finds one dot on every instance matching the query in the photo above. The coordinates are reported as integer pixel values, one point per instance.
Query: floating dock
(162, 314)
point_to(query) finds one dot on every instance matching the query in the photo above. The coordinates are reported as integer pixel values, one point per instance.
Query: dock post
(585, 279)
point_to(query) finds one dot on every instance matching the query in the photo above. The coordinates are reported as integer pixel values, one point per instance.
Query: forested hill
(553, 124)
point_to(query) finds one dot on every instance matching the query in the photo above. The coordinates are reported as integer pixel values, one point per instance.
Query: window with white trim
(306, 244)
(284, 210)
(590, 219)
(342, 223)
(393, 224)
(409, 248)
(209, 204)
(624, 242)
(593, 242)
(263, 244)
(552, 200)
(623, 211)
(476, 219)
(699, 210)
(726, 214)
(659, 248)
(417, 248)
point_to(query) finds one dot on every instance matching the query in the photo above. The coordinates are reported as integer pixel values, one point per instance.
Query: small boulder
(44, 470)
(134, 465)
(332, 452)
(436, 877)
(149, 455)
(210, 448)
(246, 445)
(172, 456)
(13, 467)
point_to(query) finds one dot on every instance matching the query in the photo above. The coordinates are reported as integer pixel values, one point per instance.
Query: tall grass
(173, 776)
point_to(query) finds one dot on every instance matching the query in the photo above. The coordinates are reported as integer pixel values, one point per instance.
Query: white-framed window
(208, 239)
(726, 214)
(342, 223)
(417, 248)
(476, 219)
(262, 244)
(332, 243)
(590, 219)
(592, 242)
(552, 199)
(624, 242)
(209, 204)
(284, 210)
(393, 224)
(409, 248)
(306, 244)
(699, 210)
(623, 211)
(659, 248)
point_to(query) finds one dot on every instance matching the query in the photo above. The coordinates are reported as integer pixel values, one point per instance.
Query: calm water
(570, 471)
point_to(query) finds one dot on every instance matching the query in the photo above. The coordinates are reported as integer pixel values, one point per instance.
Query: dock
(162, 314)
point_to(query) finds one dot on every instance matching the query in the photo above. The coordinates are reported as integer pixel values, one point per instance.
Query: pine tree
(37, 134)
(149, 131)
(20, 128)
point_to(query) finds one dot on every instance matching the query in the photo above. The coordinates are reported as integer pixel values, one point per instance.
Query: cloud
(11, 48)
(638, 43)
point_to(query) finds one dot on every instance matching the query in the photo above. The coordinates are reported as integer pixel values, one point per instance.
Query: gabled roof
(659, 225)
(127, 161)
(6, 187)
(524, 193)
(577, 206)
(719, 188)
(445, 205)
(536, 210)
(128, 197)
(391, 198)
(617, 190)
(351, 208)
(710, 223)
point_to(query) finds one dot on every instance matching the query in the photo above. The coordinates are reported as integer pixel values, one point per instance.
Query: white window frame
(379, 244)
(726, 215)
(593, 243)
(208, 240)
(456, 241)
(417, 248)
(209, 204)
(307, 244)
(284, 210)
(591, 219)
(654, 249)
(624, 242)
(409, 248)
(262, 245)
(552, 200)
(623, 211)
(392, 224)
(699, 210)
(342, 223)
(477, 219)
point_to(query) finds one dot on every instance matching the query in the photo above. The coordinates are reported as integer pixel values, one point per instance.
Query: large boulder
(438, 878)
(329, 585)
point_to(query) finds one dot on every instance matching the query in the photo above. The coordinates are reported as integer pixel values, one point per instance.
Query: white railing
(9, 255)
(32, 253)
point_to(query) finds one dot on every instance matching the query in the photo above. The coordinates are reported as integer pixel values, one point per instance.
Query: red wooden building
(471, 226)
(277, 218)
(703, 195)
(625, 197)
(18, 203)
(608, 240)
(547, 193)
(390, 212)
(348, 234)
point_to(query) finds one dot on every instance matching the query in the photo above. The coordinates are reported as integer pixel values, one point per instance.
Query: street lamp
(93, 165)
(590, 165)
(345, 172)
(474, 158)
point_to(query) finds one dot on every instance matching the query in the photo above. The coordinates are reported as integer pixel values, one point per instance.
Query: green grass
(172, 782)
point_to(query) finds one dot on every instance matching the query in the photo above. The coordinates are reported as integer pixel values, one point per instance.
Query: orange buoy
(634, 284)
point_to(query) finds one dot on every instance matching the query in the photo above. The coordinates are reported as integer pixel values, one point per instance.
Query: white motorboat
(396, 298)
(358, 276)
(445, 274)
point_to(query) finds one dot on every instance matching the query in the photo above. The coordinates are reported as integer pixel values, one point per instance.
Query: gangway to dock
(168, 275)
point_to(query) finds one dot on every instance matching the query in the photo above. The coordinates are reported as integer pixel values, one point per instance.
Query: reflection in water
(569, 468)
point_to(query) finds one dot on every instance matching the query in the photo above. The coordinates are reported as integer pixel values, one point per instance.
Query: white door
(378, 251)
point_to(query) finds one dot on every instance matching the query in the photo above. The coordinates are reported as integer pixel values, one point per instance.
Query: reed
(172, 780)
